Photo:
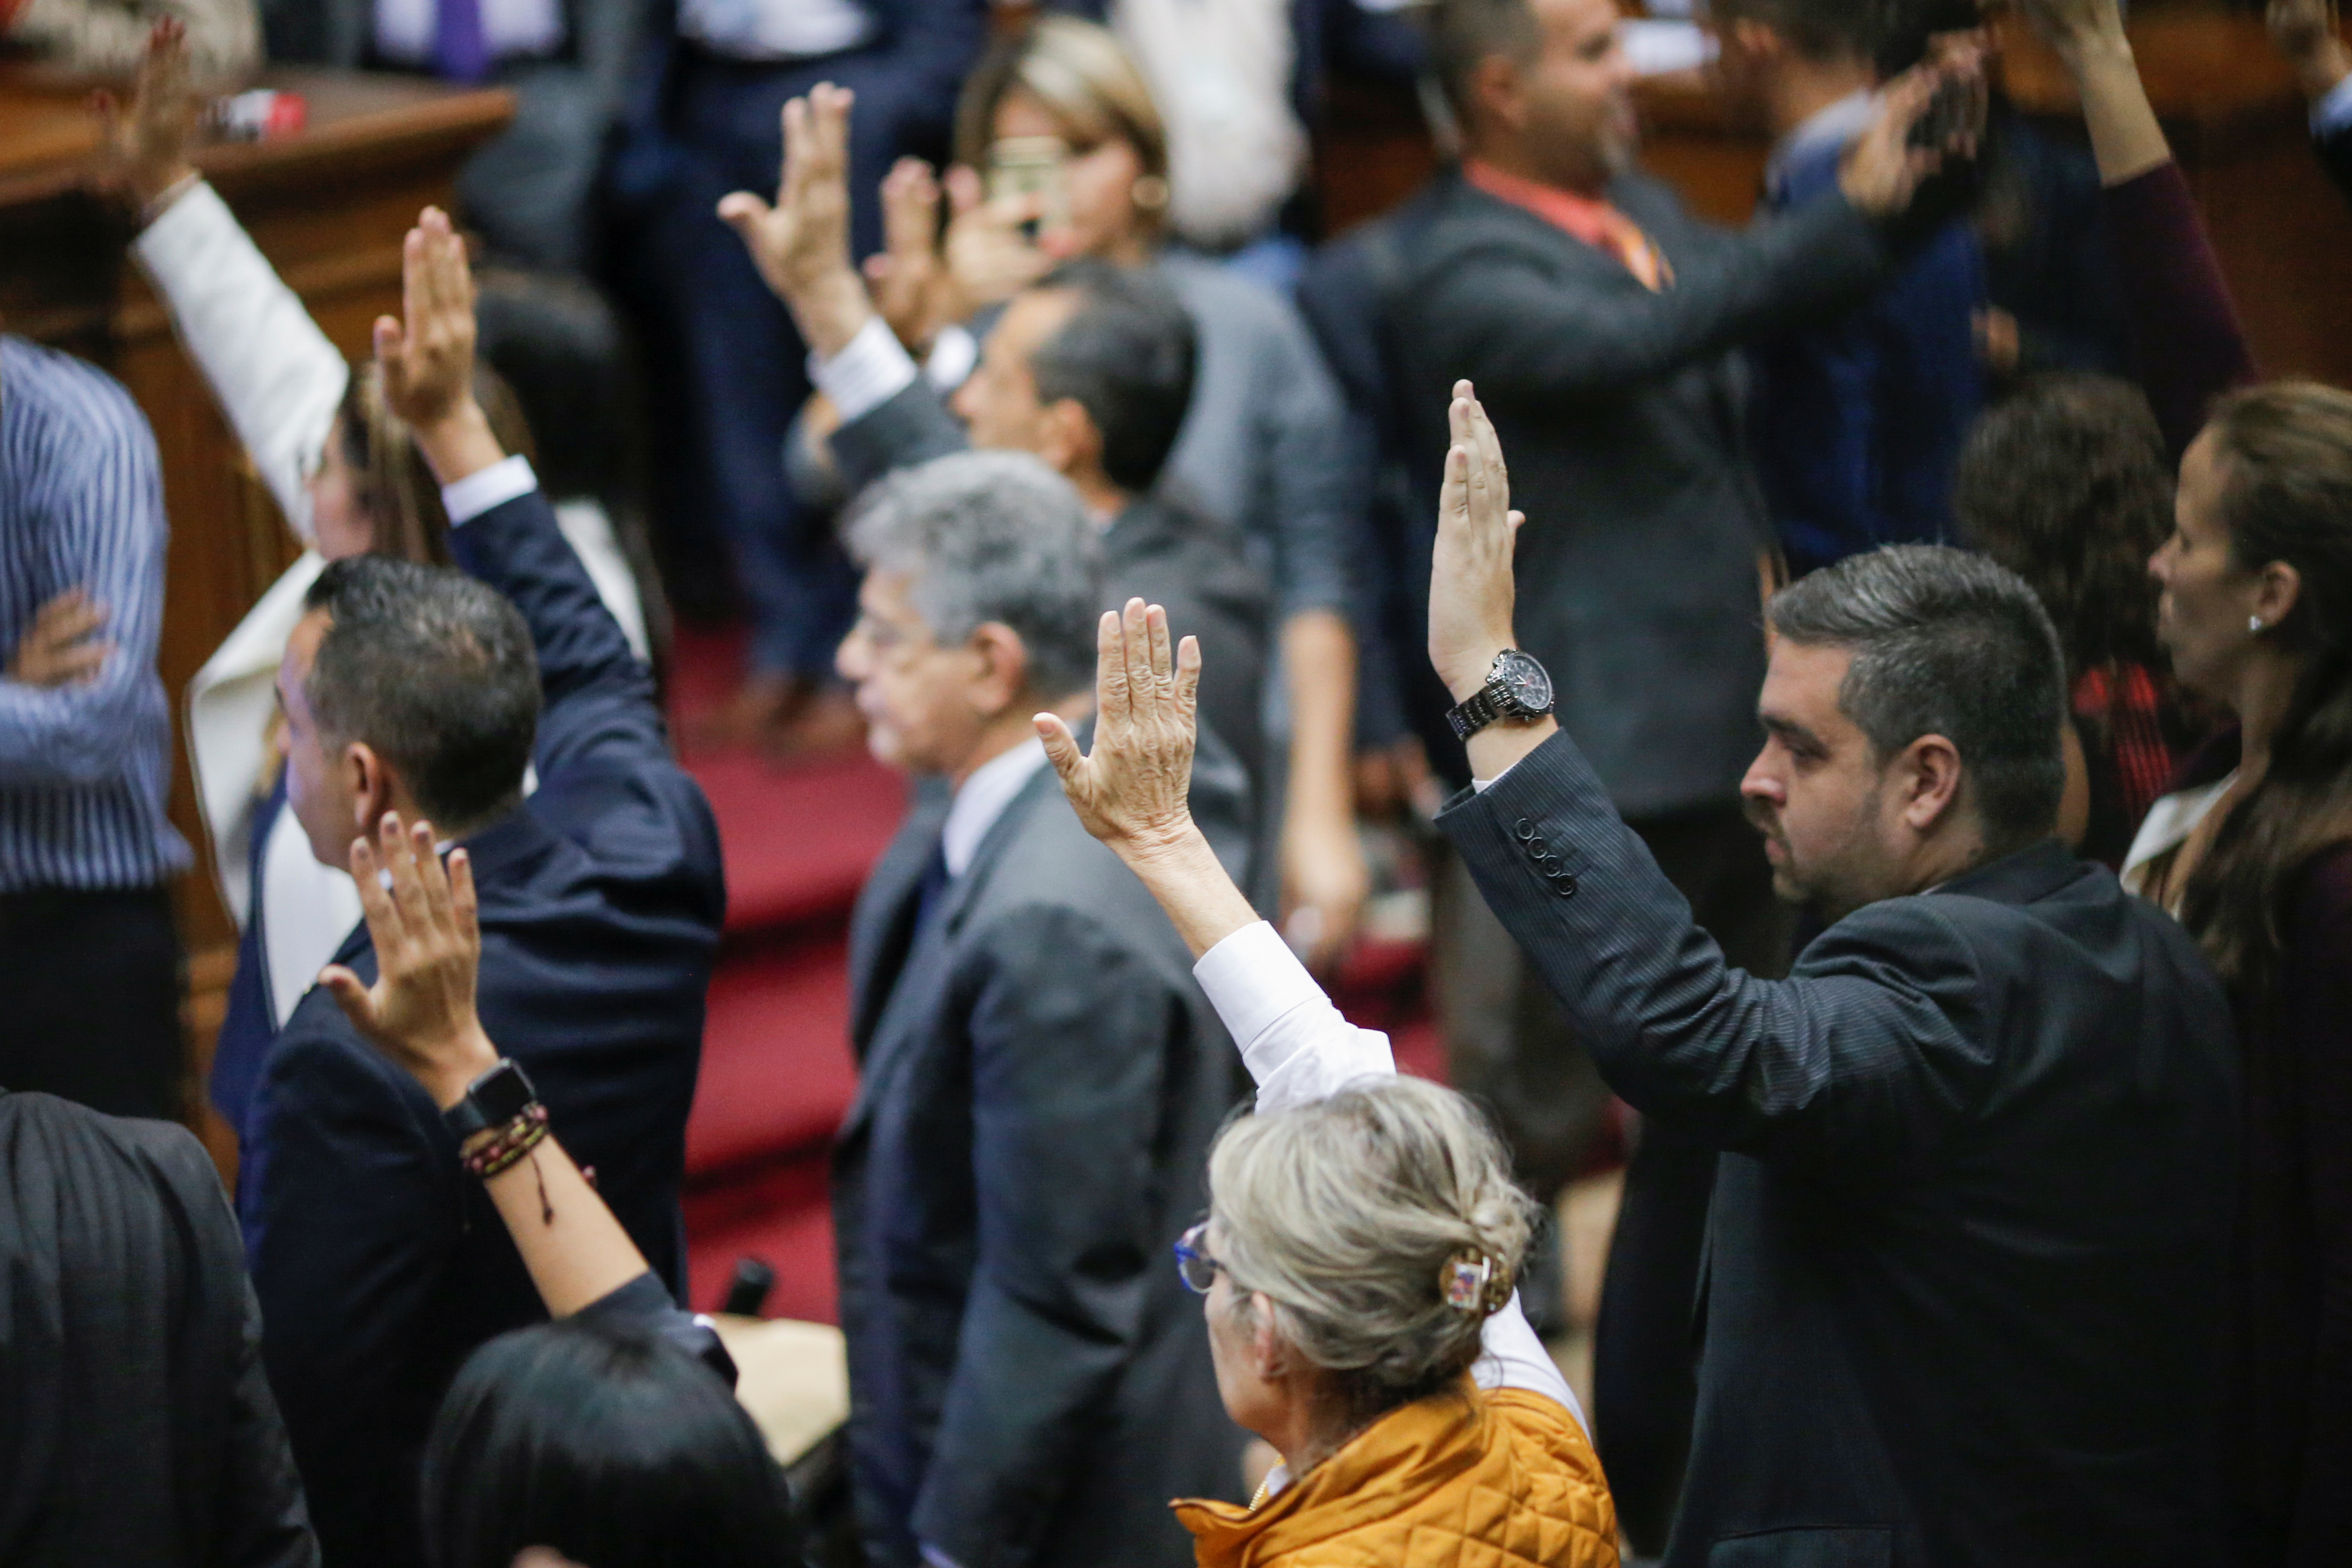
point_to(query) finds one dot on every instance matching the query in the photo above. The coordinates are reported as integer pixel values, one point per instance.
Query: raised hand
(990, 257)
(422, 923)
(1882, 169)
(801, 244)
(2072, 26)
(62, 647)
(1133, 791)
(427, 353)
(2305, 32)
(906, 276)
(144, 144)
(1471, 586)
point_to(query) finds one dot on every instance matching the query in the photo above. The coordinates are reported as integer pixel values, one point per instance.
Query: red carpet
(777, 1075)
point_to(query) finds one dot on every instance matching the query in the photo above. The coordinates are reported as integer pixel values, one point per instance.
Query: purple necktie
(458, 52)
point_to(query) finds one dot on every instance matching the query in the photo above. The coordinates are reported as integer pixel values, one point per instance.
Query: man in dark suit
(1039, 1078)
(1090, 369)
(713, 77)
(1962, 1303)
(379, 1263)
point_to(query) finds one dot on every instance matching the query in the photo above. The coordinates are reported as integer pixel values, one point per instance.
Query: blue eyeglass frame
(1191, 1254)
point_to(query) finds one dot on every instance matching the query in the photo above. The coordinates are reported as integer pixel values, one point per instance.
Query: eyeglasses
(1192, 1260)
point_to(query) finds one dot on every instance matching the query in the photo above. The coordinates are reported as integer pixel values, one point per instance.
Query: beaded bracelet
(511, 1143)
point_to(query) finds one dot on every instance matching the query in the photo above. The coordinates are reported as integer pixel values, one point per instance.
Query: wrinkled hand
(1880, 171)
(1471, 587)
(801, 244)
(428, 354)
(1133, 792)
(429, 950)
(144, 145)
(62, 647)
(906, 277)
(990, 260)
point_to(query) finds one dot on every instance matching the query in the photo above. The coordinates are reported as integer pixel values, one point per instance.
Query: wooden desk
(2229, 106)
(329, 207)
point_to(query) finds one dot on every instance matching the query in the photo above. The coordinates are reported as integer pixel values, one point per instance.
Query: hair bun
(1473, 1282)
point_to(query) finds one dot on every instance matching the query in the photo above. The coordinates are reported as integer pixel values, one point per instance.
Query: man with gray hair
(1973, 1202)
(1040, 1078)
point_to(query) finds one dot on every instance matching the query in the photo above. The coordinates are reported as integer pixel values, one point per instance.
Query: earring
(2254, 626)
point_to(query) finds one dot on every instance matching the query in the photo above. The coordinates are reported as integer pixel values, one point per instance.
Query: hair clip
(1463, 1281)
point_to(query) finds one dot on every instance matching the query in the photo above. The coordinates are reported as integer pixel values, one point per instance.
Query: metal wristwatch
(1517, 688)
(493, 1099)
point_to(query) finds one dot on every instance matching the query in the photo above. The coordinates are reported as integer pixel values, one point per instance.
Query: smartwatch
(1517, 688)
(493, 1099)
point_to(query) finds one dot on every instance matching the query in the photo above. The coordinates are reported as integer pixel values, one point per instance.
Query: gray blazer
(1621, 412)
(1970, 1227)
(1039, 1083)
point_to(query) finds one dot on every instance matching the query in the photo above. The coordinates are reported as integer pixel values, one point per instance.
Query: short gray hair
(1346, 1213)
(992, 536)
(1947, 642)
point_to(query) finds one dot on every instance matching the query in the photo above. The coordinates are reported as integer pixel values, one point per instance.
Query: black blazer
(1039, 1082)
(1158, 549)
(1622, 413)
(136, 1425)
(1970, 1226)
(379, 1261)
(2334, 151)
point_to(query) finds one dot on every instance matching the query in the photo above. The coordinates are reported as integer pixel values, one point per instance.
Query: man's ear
(369, 780)
(1002, 679)
(1928, 782)
(1494, 91)
(1071, 442)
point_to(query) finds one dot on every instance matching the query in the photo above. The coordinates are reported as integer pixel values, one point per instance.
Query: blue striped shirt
(85, 769)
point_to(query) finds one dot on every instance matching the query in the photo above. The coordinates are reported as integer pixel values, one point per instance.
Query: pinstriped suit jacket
(1970, 1229)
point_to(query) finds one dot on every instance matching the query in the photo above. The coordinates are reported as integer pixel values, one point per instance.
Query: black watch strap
(493, 1099)
(1474, 713)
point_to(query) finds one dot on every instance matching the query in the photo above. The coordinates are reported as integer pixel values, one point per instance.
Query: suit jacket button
(1524, 828)
(1564, 886)
(1538, 849)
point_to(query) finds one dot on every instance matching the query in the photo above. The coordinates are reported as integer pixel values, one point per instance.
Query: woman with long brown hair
(2253, 851)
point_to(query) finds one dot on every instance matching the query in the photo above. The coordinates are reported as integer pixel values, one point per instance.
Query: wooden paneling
(328, 208)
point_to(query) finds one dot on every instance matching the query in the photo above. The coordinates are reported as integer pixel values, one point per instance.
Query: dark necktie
(459, 53)
(930, 889)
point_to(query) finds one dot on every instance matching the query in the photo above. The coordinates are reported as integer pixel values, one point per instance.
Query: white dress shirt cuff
(1295, 1043)
(954, 355)
(866, 374)
(478, 492)
(2332, 113)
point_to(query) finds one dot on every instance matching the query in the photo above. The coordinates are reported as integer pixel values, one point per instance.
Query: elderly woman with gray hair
(1363, 1230)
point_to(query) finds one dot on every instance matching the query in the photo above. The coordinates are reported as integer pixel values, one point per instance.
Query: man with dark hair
(1091, 369)
(1972, 1206)
(1039, 1078)
(1856, 422)
(379, 1262)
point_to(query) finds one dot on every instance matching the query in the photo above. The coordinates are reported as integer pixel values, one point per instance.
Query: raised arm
(2177, 303)
(420, 1014)
(278, 378)
(599, 700)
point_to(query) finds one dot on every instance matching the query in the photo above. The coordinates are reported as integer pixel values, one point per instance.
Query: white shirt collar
(983, 799)
(1831, 125)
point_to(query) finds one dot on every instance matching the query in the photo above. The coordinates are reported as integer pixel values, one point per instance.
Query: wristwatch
(493, 1099)
(1517, 688)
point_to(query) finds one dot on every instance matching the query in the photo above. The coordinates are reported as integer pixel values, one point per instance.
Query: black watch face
(1526, 685)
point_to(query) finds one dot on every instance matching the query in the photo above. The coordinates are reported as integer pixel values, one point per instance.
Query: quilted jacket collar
(1509, 1478)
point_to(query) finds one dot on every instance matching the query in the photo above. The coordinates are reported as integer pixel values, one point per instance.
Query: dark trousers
(89, 998)
(735, 371)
